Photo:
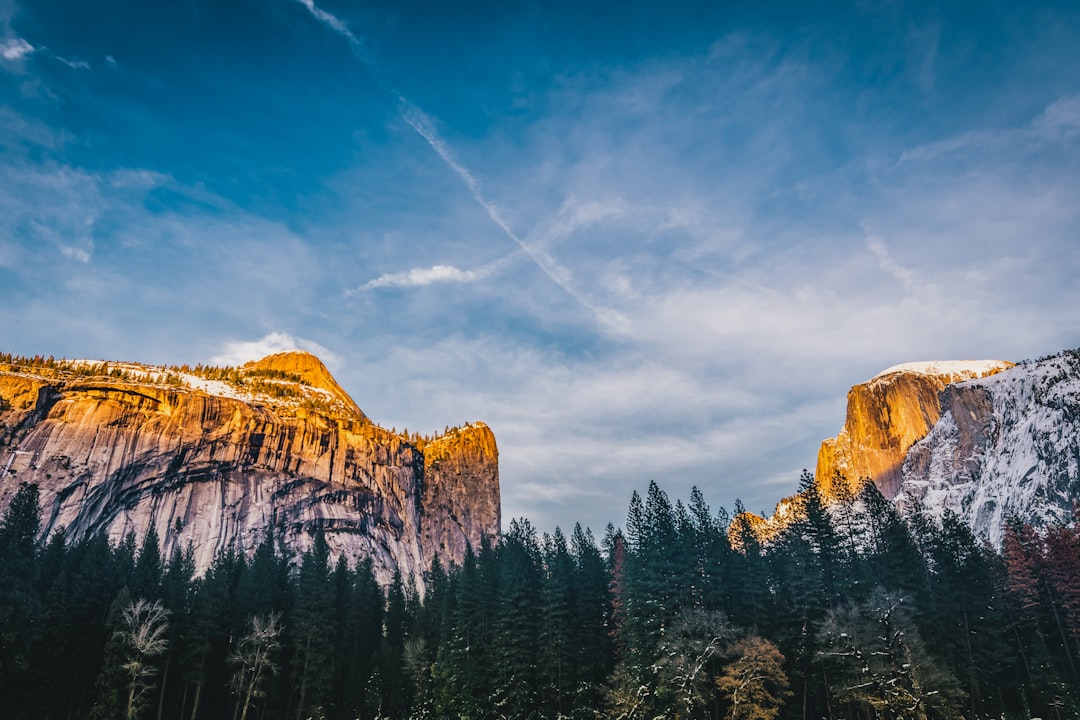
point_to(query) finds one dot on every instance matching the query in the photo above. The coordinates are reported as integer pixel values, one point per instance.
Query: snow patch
(962, 368)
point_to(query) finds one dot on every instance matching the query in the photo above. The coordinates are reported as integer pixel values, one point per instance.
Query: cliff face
(885, 418)
(1005, 445)
(460, 467)
(219, 459)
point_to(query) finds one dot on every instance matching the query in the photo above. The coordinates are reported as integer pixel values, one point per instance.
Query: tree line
(851, 612)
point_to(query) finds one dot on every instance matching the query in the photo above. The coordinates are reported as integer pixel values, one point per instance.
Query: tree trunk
(164, 682)
(303, 679)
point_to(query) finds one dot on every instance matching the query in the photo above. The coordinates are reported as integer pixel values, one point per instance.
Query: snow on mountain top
(964, 368)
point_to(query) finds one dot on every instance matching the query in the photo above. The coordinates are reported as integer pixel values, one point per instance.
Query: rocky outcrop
(1007, 445)
(459, 467)
(220, 457)
(886, 416)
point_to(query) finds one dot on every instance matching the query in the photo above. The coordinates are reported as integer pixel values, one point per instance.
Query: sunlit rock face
(886, 416)
(460, 469)
(985, 440)
(219, 461)
(1006, 445)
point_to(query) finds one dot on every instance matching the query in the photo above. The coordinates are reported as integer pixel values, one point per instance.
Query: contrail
(420, 122)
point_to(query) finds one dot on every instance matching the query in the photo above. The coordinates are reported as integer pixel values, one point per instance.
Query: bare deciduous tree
(144, 635)
(254, 660)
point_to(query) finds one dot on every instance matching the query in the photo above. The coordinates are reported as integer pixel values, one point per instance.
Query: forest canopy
(851, 612)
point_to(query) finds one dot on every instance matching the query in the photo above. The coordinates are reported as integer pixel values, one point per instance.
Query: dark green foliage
(20, 605)
(654, 624)
(311, 628)
(878, 666)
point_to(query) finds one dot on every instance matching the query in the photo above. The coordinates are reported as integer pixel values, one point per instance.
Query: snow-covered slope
(955, 369)
(1005, 444)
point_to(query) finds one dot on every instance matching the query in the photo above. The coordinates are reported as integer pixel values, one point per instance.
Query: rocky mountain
(886, 416)
(983, 439)
(219, 457)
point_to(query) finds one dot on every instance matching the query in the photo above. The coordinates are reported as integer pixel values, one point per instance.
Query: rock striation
(220, 457)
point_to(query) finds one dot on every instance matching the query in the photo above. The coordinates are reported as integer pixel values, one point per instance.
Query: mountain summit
(986, 440)
(306, 369)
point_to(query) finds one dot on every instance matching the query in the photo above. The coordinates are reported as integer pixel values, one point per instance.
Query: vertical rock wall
(217, 471)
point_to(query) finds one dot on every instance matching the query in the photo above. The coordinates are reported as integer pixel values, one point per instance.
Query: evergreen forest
(851, 613)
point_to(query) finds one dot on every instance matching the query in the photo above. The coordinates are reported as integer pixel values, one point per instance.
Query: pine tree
(591, 621)
(893, 557)
(516, 624)
(557, 639)
(205, 652)
(312, 614)
(1062, 565)
(750, 606)
(148, 570)
(20, 602)
(397, 622)
(176, 591)
(966, 627)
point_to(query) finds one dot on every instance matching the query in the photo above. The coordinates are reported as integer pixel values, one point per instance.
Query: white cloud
(887, 264)
(74, 253)
(418, 277)
(76, 64)
(1061, 116)
(15, 48)
(238, 352)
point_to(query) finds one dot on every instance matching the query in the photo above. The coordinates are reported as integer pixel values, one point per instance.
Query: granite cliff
(886, 416)
(219, 457)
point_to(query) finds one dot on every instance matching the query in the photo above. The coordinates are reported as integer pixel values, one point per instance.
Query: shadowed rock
(218, 460)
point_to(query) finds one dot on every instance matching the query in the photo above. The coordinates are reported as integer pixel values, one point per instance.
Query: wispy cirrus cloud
(74, 64)
(424, 126)
(16, 48)
(1061, 116)
(885, 261)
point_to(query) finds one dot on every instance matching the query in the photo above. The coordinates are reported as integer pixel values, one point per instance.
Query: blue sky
(643, 241)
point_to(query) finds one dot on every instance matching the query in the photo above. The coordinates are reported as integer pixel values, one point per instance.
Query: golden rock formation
(219, 457)
(886, 416)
